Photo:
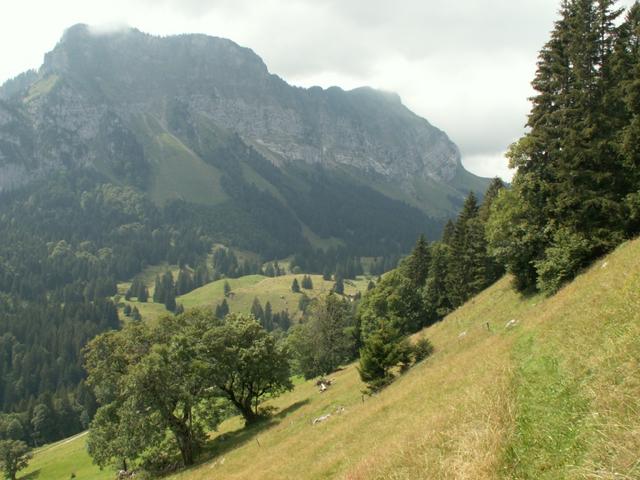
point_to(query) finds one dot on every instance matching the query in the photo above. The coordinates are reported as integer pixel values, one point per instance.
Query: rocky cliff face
(80, 108)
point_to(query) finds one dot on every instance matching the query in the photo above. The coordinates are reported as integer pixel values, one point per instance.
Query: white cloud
(489, 165)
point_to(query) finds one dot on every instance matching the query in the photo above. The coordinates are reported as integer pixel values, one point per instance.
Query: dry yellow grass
(555, 397)
(448, 416)
(459, 415)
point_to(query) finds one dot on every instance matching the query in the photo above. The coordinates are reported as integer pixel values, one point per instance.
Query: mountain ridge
(201, 120)
(126, 72)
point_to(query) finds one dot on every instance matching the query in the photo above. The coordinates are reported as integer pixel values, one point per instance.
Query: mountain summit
(180, 116)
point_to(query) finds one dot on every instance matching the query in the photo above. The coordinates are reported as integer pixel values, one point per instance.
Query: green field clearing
(276, 290)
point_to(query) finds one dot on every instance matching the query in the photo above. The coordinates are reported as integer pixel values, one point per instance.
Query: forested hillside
(101, 180)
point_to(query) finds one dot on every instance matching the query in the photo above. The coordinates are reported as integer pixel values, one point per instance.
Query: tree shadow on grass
(30, 476)
(235, 439)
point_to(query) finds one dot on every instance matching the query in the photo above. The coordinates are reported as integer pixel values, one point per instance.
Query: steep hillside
(526, 388)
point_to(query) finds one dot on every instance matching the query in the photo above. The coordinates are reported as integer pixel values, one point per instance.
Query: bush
(422, 349)
(568, 253)
(383, 350)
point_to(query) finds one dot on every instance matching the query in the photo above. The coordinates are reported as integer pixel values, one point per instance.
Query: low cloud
(108, 28)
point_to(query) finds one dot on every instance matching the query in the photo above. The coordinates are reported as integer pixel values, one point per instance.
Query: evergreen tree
(170, 301)
(303, 302)
(222, 309)
(268, 317)
(627, 69)
(571, 176)
(447, 233)
(158, 294)
(226, 288)
(143, 294)
(278, 271)
(257, 311)
(295, 287)
(281, 320)
(383, 350)
(184, 284)
(269, 271)
(436, 293)
(135, 314)
(466, 274)
(417, 264)
(338, 286)
(307, 282)
(494, 189)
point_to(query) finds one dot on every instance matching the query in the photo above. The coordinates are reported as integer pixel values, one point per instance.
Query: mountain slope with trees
(559, 364)
(551, 395)
(126, 151)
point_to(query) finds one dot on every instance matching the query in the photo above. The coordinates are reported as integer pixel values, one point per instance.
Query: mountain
(126, 153)
(199, 119)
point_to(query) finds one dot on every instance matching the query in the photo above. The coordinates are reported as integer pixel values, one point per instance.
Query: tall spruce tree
(257, 311)
(575, 191)
(627, 63)
(466, 275)
(222, 309)
(417, 264)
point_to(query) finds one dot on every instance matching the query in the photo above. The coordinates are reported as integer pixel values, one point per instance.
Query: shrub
(422, 349)
(568, 253)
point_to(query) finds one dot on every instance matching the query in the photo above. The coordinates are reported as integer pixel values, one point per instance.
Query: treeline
(41, 374)
(226, 264)
(428, 284)
(269, 319)
(576, 191)
(64, 244)
(339, 261)
(575, 194)
(436, 278)
(166, 289)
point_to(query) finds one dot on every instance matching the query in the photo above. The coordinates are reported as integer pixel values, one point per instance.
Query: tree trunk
(250, 417)
(184, 437)
(186, 450)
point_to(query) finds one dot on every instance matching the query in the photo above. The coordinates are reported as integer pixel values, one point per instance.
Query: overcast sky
(464, 65)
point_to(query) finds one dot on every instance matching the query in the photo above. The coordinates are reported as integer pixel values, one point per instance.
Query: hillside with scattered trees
(505, 346)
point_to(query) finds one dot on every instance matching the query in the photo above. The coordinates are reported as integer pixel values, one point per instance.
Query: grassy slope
(557, 396)
(41, 87)
(275, 290)
(177, 171)
(59, 460)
